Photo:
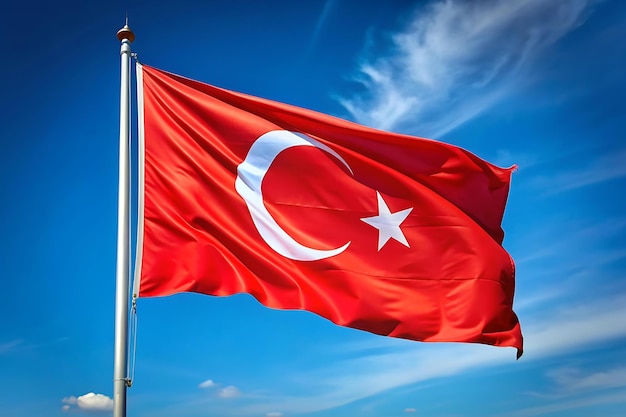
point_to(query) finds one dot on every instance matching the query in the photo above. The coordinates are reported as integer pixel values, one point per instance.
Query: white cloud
(90, 403)
(69, 400)
(274, 414)
(207, 384)
(229, 392)
(410, 410)
(94, 402)
(455, 59)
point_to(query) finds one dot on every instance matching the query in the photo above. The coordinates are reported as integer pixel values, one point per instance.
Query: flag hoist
(120, 379)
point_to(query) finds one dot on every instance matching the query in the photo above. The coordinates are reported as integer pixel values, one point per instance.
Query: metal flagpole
(120, 380)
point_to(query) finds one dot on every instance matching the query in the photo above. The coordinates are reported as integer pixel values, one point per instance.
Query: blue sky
(531, 82)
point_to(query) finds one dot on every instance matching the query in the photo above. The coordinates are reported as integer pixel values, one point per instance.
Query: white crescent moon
(250, 174)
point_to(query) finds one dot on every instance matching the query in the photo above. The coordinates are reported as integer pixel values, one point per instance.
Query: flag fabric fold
(388, 233)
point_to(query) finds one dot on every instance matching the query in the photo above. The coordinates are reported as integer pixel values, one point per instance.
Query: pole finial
(125, 32)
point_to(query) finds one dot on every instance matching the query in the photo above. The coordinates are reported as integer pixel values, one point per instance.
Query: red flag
(393, 234)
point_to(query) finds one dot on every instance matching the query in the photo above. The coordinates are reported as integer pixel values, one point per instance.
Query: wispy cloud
(578, 403)
(523, 160)
(14, 345)
(575, 327)
(7, 347)
(377, 364)
(585, 172)
(543, 296)
(328, 6)
(230, 391)
(455, 59)
(559, 240)
(71, 400)
(573, 381)
(382, 366)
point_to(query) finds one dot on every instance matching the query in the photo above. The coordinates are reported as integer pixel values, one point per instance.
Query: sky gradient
(535, 83)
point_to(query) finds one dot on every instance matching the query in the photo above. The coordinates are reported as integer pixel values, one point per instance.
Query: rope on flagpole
(132, 347)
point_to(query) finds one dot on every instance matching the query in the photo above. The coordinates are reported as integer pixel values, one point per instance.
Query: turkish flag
(388, 233)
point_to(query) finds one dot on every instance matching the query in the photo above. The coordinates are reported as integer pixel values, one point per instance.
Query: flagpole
(120, 380)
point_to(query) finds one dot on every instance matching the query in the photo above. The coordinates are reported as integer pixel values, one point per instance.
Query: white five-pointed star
(387, 223)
